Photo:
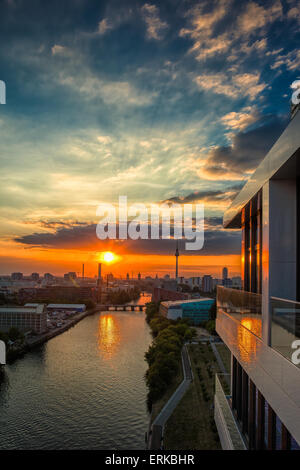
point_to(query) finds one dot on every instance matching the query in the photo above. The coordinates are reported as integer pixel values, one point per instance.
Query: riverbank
(82, 390)
(35, 341)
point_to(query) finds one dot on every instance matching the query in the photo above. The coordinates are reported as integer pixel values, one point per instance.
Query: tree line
(121, 296)
(164, 354)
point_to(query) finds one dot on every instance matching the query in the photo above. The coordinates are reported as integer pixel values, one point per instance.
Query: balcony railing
(285, 328)
(242, 306)
(230, 436)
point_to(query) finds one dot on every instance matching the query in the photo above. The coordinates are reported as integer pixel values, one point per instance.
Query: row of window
(252, 244)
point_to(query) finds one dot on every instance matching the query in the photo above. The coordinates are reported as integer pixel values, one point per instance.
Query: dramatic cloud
(291, 61)
(60, 50)
(245, 152)
(140, 99)
(209, 37)
(239, 85)
(240, 120)
(216, 241)
(155, 27)
(256, 16)
(294, 12)
(207, 196)
(201, 29)
(104, 26)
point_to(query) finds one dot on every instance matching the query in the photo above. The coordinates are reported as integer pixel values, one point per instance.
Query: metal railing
(230, 436)
(243, 306)
(238, 301)
(285, 328)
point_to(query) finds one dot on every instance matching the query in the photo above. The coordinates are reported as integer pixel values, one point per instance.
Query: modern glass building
(197, 311)
(261, 324)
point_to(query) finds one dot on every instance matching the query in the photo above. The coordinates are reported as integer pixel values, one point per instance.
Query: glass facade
(198, 312)
(242, 306)
(285, 327)
(252, 244)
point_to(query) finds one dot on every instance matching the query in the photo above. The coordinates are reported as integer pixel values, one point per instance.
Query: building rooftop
(39, 308)
(66, 305)
(172, 303)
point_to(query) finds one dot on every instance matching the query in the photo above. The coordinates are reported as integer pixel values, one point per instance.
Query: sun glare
(108, 257)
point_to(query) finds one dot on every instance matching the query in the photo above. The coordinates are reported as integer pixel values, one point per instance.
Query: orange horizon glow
(15, 257)
(108, 257)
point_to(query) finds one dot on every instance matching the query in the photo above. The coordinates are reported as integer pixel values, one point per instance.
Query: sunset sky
(159, 101)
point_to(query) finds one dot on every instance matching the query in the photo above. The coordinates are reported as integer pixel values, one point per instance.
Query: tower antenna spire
(176, 255)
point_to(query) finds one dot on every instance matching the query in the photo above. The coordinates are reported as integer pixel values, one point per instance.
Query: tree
(164, 354)
(211, 326)
(152, 309)
(14, 334)
(158, 324)
(89, 304)
(213, 311)
(4, 337)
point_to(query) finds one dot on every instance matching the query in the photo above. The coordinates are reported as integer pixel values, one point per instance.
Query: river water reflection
(83, 389)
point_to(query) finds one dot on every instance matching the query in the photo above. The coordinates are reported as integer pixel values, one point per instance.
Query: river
(84, 389)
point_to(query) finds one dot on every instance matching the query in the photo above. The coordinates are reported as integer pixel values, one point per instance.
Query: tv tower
(176, 255)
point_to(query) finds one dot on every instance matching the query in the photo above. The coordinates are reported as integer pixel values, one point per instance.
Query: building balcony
(242, 306)
(246, 307)
(229, 433)
(269, 362)
(285, 328)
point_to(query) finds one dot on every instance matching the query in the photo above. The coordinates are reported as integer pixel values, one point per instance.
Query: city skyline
(215, 271)
(158, 103)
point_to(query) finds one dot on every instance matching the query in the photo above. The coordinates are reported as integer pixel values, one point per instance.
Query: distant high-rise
(35, 276)
(176, 255)
(17, 276)
(127, 276)
(207, 283)
(70, 275)
(139, 276)
(225, 273)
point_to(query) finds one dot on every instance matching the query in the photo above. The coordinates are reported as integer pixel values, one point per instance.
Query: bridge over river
(122, 308)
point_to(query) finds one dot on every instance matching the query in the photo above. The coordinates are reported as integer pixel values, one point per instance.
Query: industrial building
(66, 307)
(27, 318)
(196, 310)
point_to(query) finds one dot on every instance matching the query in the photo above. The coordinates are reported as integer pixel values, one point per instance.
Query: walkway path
(156, 436)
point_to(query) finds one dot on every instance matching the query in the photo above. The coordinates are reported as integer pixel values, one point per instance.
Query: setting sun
(108, 257)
